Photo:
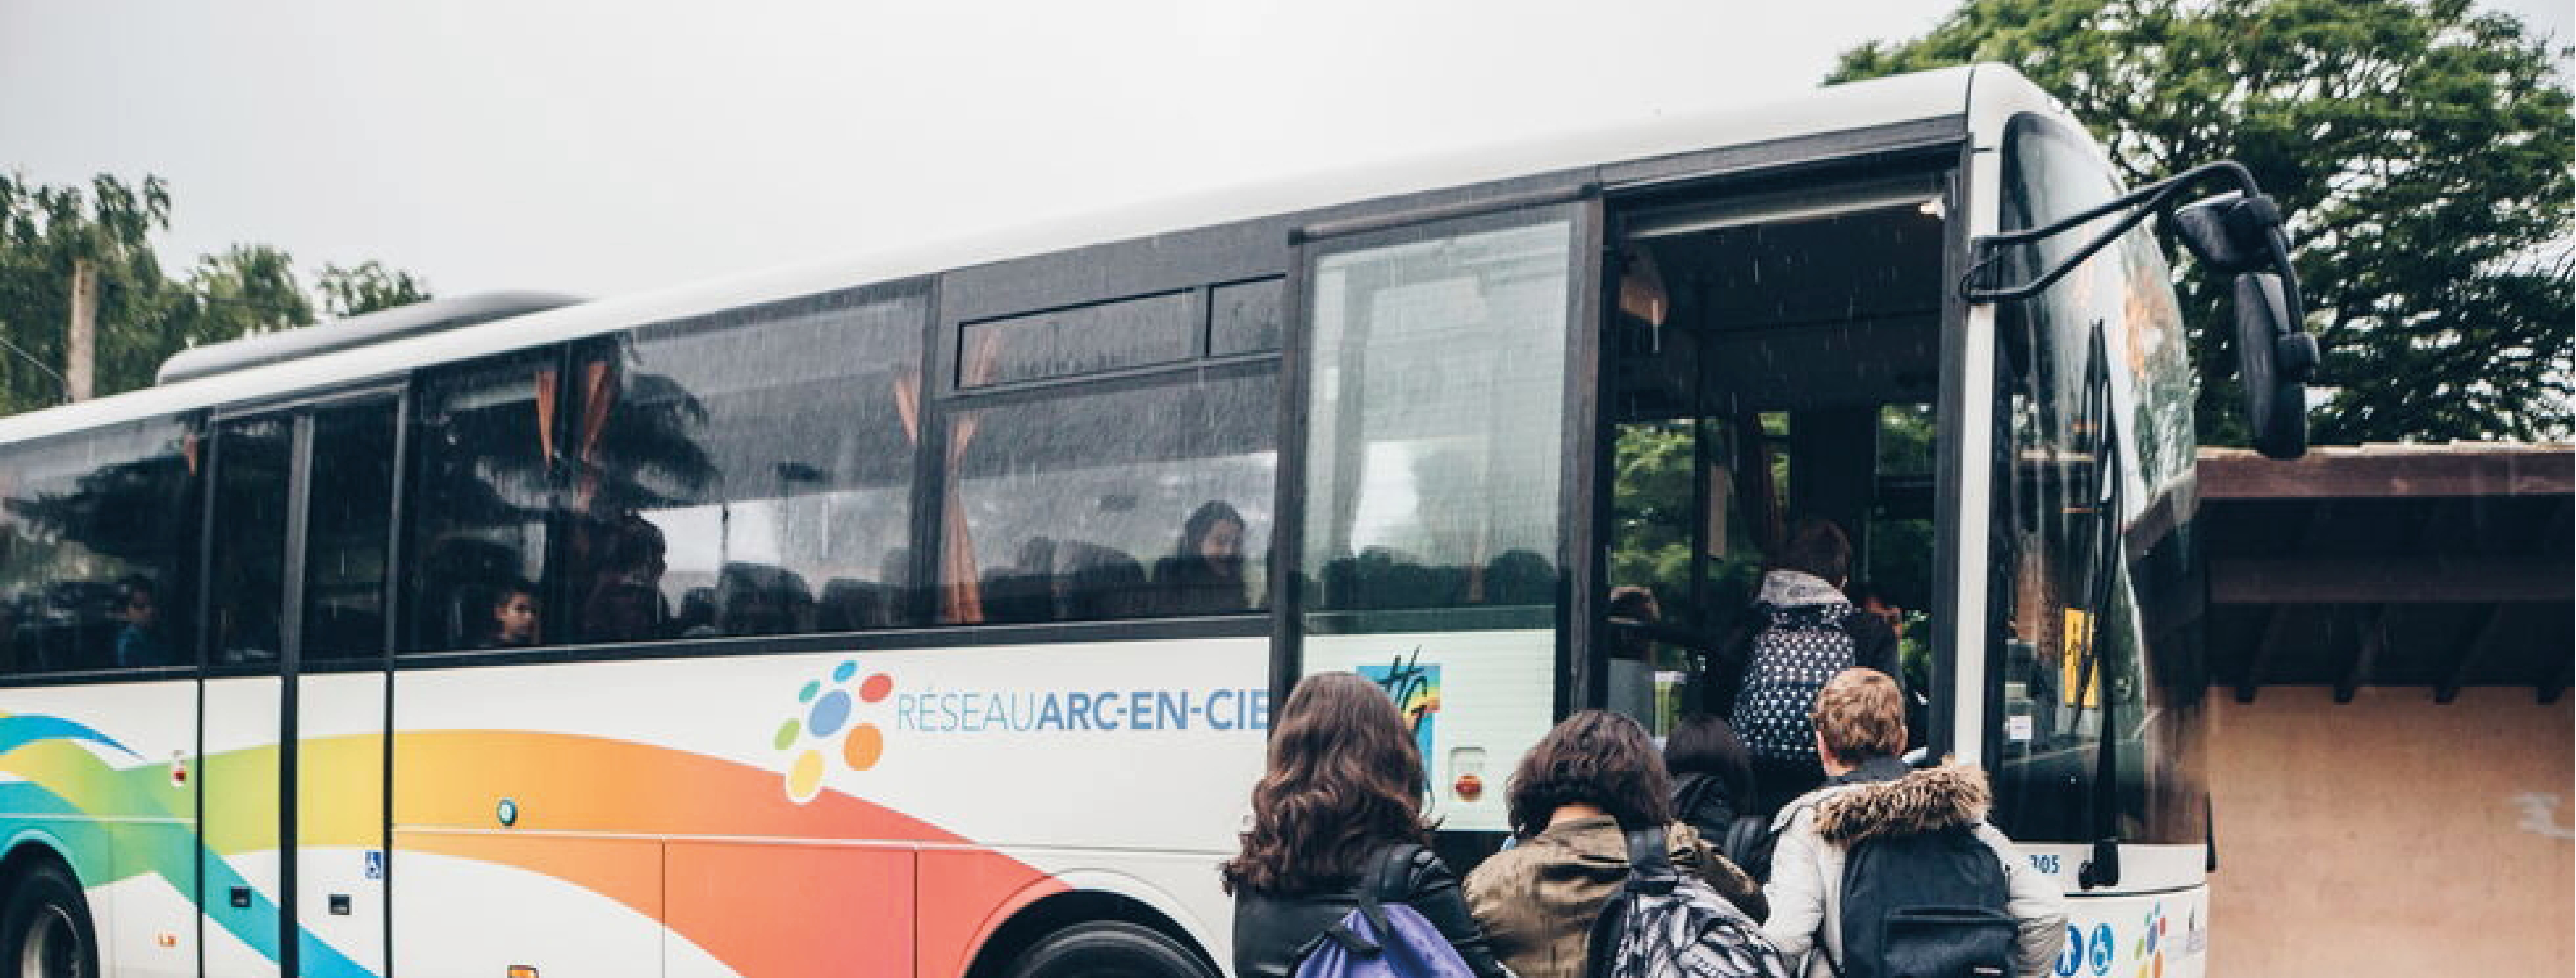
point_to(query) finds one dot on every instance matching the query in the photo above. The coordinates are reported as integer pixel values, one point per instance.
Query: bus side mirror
(2234, 234)
(2229, 233)
(2274, 361)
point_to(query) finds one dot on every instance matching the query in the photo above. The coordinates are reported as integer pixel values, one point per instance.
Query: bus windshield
(2113, 319)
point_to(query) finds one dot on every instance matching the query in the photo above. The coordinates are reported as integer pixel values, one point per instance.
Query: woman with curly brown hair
(1339, 809)
(1571, 802)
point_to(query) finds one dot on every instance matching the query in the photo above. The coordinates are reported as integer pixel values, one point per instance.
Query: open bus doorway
(1771, 358)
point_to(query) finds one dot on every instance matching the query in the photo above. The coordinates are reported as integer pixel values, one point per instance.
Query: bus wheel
(1109, 950)
(46, 931)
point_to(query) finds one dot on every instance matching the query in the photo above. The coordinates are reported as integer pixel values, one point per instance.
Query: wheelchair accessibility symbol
(2101, 949)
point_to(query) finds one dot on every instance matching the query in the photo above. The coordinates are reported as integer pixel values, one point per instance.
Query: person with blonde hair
(1875, 812)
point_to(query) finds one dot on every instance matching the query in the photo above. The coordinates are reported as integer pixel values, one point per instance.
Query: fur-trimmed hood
(1919, 802)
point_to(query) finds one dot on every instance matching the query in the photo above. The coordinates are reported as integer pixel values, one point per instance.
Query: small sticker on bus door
(2079, 634)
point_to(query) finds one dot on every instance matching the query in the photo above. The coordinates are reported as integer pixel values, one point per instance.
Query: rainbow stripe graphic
(762, 908)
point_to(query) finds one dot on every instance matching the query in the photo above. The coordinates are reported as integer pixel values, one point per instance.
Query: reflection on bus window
(731, 475)
(344, 538)
(481, 495)
(1438, 388)
(1123, 503)
(2079, 408)
(97, 549)
(252, 459)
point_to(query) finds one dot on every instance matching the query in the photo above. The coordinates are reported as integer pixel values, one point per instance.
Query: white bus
(921, 614)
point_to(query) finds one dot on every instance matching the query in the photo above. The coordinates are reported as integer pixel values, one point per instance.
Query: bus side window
(98, 539)
(481, 501)
(1087, 503)
(743, 473)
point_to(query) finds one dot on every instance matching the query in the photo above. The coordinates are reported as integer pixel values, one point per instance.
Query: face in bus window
(139, 609)
(1222, 548)
(514, 619)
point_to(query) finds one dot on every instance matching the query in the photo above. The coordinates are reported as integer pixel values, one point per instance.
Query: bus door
(1772, 364)
(293, 742)
(1445, 389)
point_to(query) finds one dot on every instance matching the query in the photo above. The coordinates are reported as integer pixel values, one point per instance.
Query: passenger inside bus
(513, 616)
(1774, 363)
(140, 642)
(622, 600)
(1204, 574)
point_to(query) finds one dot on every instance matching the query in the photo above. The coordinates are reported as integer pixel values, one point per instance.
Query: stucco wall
(2394, 836)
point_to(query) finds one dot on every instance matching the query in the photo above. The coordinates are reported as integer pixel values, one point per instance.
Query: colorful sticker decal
(2149, 948)
(1415, 688)
(63, 776)
(821, 734)
(571, 784)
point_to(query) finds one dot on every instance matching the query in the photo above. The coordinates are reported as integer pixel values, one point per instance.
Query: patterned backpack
(1664, 924)
(1791, 659)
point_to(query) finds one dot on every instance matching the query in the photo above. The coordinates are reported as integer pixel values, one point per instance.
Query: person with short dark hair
(1343, 788)
(139, 644)
(1860, 726)
(1807, 631)
(1572, 801)
(1712, 775)
(514, 615)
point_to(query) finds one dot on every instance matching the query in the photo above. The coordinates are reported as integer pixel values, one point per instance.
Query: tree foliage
(368, 287)
(144, 314)
(2424, 152)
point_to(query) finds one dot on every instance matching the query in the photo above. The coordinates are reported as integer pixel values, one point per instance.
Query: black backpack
(1929, 905)
(1788, 660)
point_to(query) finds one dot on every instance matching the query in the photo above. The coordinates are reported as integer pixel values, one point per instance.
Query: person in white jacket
(1860, 729)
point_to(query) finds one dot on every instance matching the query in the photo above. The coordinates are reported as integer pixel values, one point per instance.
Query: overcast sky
(608, 147)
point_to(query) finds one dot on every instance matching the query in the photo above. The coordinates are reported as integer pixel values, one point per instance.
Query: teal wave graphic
(23, 729)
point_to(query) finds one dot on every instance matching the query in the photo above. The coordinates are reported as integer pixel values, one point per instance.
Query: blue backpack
(1385, 938)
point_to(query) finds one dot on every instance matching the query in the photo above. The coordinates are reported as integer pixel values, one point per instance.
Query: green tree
(2422, 149)
(1651, 507)
(368, 287)
(144, 314)
(245, 291)
(44, 230)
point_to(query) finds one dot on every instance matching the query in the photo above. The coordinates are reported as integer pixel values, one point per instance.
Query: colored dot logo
(2150, 945)
(823, 717)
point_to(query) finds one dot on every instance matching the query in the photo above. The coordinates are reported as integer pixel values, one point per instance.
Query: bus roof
(1935, 94)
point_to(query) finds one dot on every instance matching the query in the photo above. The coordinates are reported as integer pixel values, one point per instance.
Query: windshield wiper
(2103, 869)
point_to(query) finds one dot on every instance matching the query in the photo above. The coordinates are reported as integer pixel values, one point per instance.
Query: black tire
(1108, 950)
(45, 931)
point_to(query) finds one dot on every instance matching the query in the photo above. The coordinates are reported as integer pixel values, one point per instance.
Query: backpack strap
(1390, 872)
(1688, 790)
(1650, 863)
(1650, 873)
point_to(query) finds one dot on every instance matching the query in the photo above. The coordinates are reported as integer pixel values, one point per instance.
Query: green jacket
(1536, 901)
